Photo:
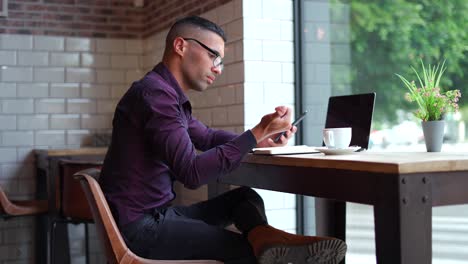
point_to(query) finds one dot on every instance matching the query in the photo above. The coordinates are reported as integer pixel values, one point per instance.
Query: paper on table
(285, 150)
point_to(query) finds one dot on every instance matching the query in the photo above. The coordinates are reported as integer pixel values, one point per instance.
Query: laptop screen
(352, 111)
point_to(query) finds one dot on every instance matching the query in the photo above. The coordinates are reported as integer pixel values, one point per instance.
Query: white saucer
(344, 151)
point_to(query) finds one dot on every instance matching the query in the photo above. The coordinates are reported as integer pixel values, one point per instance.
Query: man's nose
(217, 70)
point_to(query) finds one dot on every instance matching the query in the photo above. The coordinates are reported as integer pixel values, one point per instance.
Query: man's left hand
(270, 142)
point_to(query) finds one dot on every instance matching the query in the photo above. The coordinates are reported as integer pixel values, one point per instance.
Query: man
(154, 143)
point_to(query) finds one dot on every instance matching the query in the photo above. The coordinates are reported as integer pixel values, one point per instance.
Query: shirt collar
(164, 72)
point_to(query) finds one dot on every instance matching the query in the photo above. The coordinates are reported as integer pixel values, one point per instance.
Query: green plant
(433, 104)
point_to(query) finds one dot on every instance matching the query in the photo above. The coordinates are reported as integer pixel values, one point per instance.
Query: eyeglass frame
(220, 64)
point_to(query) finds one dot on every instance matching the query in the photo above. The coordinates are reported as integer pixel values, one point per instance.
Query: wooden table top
(71, 152)
(370, 161)
(383, 162)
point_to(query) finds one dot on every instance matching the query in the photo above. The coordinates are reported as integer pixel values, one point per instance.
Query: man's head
(194, 52)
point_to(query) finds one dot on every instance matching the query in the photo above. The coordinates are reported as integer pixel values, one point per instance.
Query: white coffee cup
(337, 138)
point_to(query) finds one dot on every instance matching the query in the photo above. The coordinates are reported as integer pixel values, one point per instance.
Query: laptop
(353, 111)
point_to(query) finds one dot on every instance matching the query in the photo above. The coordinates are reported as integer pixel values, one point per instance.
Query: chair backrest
(353, 111)
(72, 201)
(108, 232)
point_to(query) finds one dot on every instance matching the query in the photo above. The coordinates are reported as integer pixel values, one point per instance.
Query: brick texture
(161, 14)
(102, 18)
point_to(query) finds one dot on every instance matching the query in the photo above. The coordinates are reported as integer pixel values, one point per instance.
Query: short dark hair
(198, 22)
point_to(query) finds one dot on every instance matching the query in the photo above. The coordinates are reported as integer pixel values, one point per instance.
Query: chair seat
(10, 208)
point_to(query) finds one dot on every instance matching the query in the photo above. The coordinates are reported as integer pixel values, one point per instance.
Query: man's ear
(178, 46)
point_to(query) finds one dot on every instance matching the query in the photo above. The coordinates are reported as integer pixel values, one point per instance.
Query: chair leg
(87, 243)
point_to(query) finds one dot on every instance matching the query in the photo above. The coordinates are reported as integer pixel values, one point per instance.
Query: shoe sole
(321, 252)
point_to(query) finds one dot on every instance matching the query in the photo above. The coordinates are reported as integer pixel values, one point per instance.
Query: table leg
(59, 245)
(41, 239)
(330, 217)
(50, 250)
(403, 222)
(58, 231)
(42, 221)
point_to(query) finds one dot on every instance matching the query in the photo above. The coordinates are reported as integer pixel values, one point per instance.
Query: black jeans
(198, 231)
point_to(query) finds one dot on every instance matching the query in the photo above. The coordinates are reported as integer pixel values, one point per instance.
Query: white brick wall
(64, 90)
(269, 81)
(55, 92)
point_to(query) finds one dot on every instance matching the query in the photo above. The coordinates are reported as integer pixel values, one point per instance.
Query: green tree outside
(389, 36)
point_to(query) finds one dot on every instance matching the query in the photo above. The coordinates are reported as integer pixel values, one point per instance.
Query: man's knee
(252, 196)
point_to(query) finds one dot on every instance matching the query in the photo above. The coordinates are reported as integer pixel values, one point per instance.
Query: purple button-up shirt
(154, 142)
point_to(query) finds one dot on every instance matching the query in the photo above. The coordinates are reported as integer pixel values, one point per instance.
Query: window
(357, 46)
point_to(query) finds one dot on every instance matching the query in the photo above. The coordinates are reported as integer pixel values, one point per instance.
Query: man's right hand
(273, 123)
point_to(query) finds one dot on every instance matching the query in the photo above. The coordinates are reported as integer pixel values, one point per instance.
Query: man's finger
(282, 110)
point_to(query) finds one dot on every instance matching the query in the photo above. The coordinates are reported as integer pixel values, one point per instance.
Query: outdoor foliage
(433, 103)
(389, 35)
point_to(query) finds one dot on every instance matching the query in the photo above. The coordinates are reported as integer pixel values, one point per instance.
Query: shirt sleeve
(205, 138)
(167, 131)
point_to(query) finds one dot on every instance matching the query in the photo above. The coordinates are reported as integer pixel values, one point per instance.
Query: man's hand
(273, 124)
(270, 141)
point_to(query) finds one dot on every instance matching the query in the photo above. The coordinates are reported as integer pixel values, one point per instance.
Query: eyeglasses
(217, 61)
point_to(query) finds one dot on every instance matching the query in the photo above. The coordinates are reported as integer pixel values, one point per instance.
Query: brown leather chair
(112, 242)
(70, 202)
(11, 208)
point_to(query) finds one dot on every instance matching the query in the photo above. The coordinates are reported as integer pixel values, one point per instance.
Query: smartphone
(297, 121)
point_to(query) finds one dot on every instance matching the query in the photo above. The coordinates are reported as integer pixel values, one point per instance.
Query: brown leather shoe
(273, 246)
